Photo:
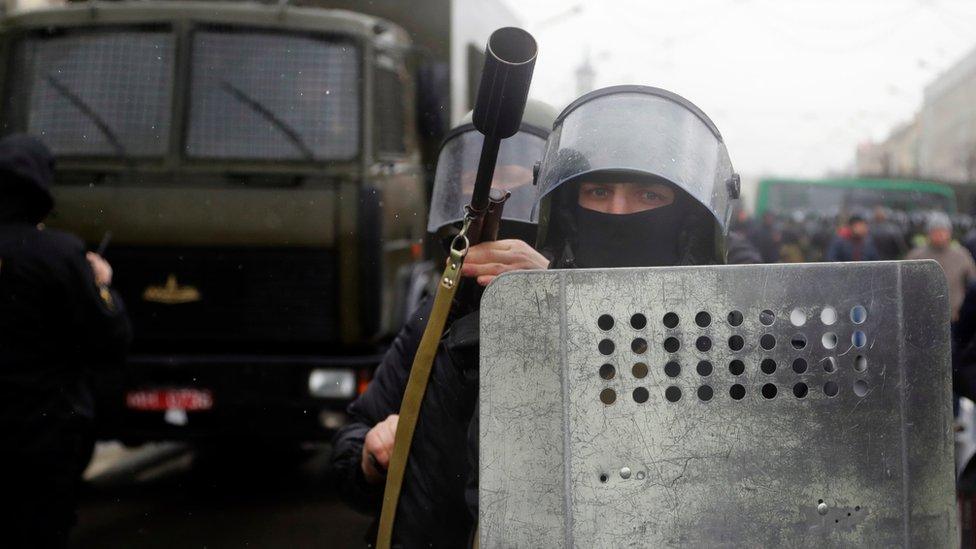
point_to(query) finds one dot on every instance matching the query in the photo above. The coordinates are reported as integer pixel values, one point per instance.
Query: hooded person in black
(59, 323)
(27, 168)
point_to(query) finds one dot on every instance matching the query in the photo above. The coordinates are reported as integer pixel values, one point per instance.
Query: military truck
(260, 171)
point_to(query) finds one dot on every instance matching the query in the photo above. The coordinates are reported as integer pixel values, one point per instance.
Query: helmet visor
(457, 166)
(644, 133)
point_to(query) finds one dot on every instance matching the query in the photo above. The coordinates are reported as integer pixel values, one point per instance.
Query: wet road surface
(170, 495)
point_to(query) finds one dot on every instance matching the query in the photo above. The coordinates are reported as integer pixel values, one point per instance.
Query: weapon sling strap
(413, 395)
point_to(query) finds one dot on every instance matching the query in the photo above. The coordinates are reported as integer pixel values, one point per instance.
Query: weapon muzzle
(509, 62)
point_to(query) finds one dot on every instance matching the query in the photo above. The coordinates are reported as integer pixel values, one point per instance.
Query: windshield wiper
(258, 107)
(96, 118)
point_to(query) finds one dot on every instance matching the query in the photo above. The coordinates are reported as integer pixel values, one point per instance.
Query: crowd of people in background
(800, 236)
(880, 234)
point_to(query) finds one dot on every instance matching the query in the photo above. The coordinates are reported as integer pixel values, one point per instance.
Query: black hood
(26, 172)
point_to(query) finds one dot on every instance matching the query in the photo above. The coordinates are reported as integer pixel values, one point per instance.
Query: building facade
(947, 124)
(940, 142)
(22, 5)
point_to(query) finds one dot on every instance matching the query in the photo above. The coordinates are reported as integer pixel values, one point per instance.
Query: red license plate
(158, 400)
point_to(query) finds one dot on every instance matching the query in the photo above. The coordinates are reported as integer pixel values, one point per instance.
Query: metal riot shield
(726, 406)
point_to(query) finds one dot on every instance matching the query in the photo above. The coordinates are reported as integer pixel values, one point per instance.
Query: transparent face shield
(457, 166)
(647, 132)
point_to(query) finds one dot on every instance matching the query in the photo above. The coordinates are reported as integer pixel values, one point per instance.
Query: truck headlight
(332, 383)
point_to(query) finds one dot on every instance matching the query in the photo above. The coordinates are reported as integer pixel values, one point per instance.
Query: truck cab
(258, 168)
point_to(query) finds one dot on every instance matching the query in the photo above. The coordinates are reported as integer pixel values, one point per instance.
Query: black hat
(26, 172)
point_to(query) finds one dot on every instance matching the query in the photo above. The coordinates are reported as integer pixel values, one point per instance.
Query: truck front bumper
(186, 397)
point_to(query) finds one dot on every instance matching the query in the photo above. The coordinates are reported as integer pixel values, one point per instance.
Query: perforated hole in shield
(831, 389)
(828, 316)
(672, 345)
(735, 318)
(670, 320)
(736, 343)
(638, 345)
(703, 344)
(798, 317)
(703, 319)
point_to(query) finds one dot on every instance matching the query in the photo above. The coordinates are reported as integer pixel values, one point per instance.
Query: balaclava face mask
(643, 239)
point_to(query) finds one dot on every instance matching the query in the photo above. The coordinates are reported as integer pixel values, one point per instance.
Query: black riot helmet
(646, 137)
(457, 165)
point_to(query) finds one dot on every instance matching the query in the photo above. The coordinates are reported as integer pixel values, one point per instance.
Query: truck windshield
(93, 92)
(258, 95)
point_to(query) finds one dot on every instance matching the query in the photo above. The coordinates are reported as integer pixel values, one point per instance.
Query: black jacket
(964, 347)
(889, 241)
(56, 326)
(847, 249)
(432, 511)
(740, 250)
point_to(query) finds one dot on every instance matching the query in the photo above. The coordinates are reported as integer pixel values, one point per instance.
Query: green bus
(846, 194)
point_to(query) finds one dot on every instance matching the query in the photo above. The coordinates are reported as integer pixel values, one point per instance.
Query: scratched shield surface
(726, 406)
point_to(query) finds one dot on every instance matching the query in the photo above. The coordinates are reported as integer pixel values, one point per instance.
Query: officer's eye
(599, 192)
(654, 196)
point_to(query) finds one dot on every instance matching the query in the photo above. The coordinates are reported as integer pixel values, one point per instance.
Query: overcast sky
(793, 85)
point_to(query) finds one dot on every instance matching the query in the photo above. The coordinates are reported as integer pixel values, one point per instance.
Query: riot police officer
(432, 510)
(633, 176)
(59, 322)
